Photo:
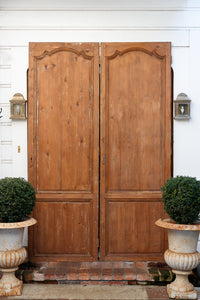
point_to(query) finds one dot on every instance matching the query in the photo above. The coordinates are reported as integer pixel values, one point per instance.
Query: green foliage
(17, 199)
(181, 198)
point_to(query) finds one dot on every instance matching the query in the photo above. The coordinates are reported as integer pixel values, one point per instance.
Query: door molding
(63, 140)
(64, 146)
(136, 143)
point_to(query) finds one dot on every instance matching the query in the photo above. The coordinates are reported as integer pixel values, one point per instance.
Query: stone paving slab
(80, 292)
(91, 292)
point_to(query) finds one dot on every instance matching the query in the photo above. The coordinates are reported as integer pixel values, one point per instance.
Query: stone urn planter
(17, 200)
(182, 257)
(12, 254)
(181, 199)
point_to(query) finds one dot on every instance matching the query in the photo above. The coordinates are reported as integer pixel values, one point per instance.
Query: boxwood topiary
(181, 198)
(17, 199)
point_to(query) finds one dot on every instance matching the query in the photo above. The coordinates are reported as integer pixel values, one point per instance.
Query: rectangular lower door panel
(60, 227)
(131, 228)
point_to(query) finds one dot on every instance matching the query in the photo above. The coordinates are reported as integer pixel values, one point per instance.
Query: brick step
(96, 272)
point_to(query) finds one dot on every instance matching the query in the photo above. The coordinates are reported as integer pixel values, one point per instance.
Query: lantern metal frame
(18, 107)
(182, 107)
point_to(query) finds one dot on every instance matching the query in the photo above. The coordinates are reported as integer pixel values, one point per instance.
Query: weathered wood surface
(135, 147)
(63, 149)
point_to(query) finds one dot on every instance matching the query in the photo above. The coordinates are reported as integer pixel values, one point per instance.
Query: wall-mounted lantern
(182, 107)
(18, 107)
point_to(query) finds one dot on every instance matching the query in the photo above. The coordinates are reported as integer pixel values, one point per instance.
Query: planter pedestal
(10, 285)
(181, 288)
(181, 256)
(9, 261)
(12, 254)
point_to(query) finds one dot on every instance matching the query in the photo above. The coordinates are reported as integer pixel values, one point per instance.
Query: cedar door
(135, 148)
(63, 141)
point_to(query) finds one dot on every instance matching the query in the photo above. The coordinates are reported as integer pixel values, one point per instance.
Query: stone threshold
(90, 292)
(124, 273)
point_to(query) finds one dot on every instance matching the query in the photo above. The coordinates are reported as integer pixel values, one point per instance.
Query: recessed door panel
(63, 149)
(135, 147)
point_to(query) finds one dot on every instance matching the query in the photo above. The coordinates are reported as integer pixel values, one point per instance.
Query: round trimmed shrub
(181, 198)
(17, 199)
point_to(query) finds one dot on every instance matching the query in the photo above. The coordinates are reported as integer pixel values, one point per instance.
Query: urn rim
(26, 223)
(170, 224)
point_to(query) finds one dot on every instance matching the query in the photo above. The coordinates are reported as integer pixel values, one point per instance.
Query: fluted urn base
(9, 284)
(9, 261)
(181, 256)
(181, 288)
(182, 264)
(12, 254)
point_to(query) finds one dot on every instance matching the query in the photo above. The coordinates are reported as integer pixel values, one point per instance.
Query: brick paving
(96, 272)
(157, 292)
(152, 277)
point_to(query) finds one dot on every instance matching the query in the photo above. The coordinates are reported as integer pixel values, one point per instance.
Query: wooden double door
(99, 140)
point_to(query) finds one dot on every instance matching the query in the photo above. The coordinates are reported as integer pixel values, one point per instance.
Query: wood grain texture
(125, 236)
(135, 147)
(63, 148)
(70, 222)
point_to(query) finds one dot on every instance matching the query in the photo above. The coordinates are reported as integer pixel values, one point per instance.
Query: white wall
(24, 21)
